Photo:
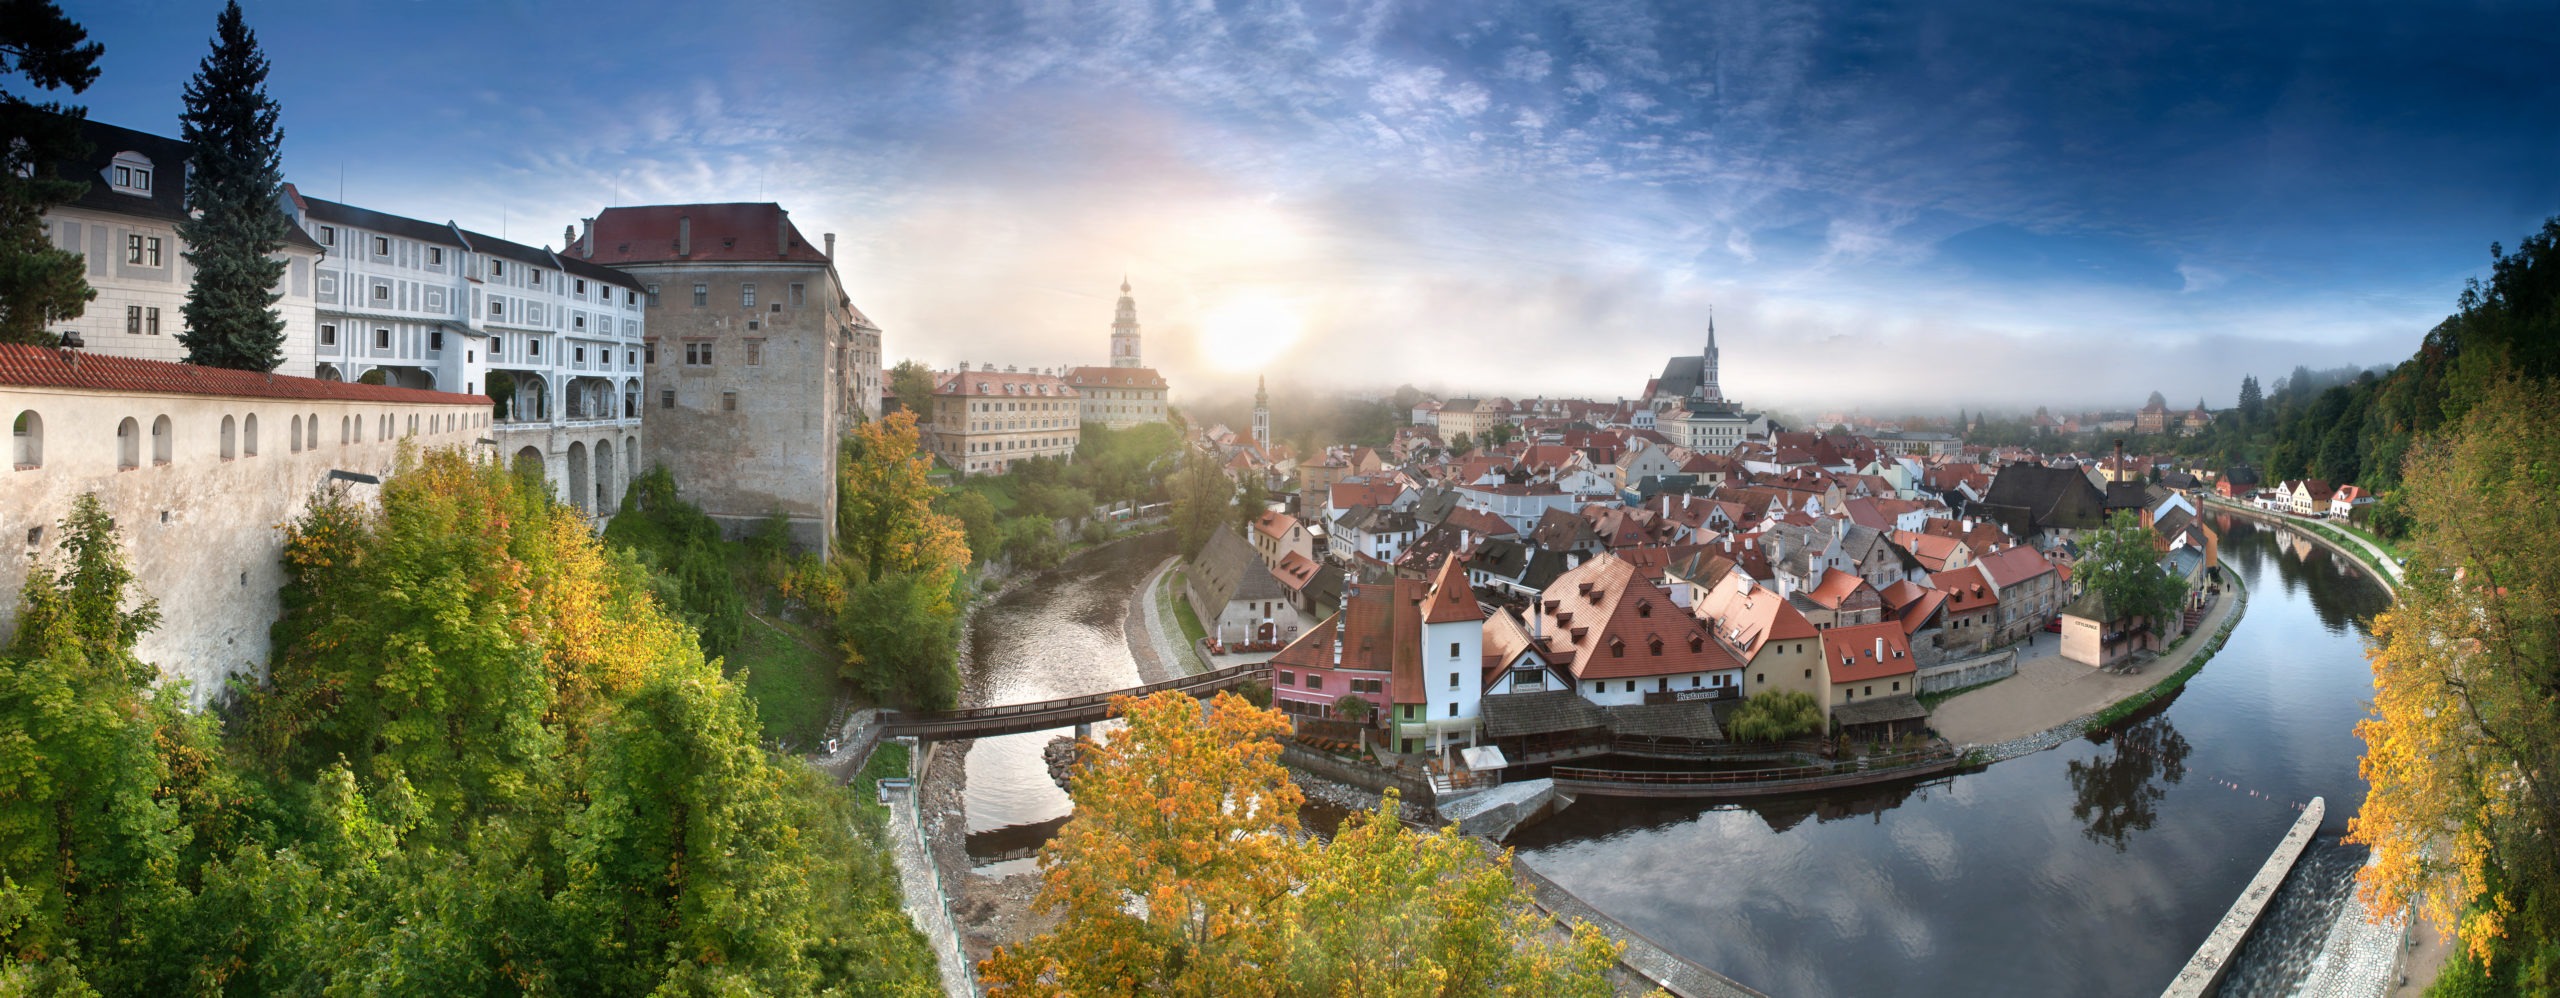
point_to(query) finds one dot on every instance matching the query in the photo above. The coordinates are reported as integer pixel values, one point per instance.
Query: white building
(435, 306)
(126, 228)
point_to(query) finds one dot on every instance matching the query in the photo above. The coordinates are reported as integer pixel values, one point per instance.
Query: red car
(2053, 626)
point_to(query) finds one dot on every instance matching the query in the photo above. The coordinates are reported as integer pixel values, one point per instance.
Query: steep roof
(2053, 498)
(2012, 565)
(1850, 652)
(167, 200)
(1605, 620)
(1115, 377)
(1966, 589)
(1746, 615)
(24, 366)
(1227, 570)
(738, 232)
(1450, 601)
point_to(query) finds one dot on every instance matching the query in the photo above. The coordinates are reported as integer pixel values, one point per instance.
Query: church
(1128, 392)
(1690, 407)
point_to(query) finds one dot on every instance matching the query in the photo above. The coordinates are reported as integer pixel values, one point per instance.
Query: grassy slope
(791, 673)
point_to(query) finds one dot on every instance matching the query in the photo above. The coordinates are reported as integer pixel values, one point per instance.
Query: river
(2091, 869)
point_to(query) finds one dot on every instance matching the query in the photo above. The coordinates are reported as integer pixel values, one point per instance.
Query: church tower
(1714, 391)
(1124, 330)
(1261, 416)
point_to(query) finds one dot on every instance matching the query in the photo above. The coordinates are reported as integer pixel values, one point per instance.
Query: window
(582, 286)
(295, 442)
(1288, 678)
(133, 319)
(26, 440)
(382, 339)
(497, 309)
(1314, 681)
(701, 295)
(381, 246)
(631, 358)
(151, 321)
(328, 235)
(230, 438)
(747, 295)
(328, 334)
(128, 444)
(131, 173)
(728, 401)
(578, 322)
(533, 346)
(755, 353)
(1631, 686)
(653, 295)
(497, 268)
(650, 350)
(631, 298)
(798, 294)
(666, 398)
(1453, 708)
(435, 256)
(381, 291)
(578, 354)
(697, 354)
(1453, 680)
(533, 277)
(163, 441)
(435, 339)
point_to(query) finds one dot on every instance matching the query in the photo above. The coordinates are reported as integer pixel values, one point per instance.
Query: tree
(1459, 445)
(1181, 872)
(2251, 398)
(913, 383)
(885, 520)
(687, 561)
(900, 637)
(2119, 794)
(1202, 497)
(1354, 708)
(979, 525)
(1500, 433)
(1776, 716)
(40, 284)
(2121, 566)
(235, 227)
(2464, 806)
(1255, 501)
(88, 845)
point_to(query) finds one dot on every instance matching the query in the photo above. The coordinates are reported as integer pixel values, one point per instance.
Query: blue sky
(1936, 204)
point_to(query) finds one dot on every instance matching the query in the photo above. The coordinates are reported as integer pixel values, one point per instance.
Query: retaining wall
(1970, 672)
(1415, 789)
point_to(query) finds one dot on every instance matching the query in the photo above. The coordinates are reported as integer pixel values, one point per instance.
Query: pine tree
(2250, 397)
(236, 227)
(39, 284)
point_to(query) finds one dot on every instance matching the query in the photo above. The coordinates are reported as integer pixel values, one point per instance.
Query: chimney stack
(831, 245)
(2119, 475)
(781, 232)
(568, 239)
(587, 240)
(684, 235)
(1879, 648)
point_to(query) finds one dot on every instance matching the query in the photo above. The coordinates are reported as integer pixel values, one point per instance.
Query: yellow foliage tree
(1183, 872)
(885, 516)
(2464, 811)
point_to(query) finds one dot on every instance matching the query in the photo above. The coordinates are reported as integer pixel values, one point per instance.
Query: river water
(2091, 869)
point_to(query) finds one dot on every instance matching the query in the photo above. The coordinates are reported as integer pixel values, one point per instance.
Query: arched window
(359, 421)
(128, 444)
(26, 440)
(230, 438)
(249, 435)
(163, 444)
(297, 435)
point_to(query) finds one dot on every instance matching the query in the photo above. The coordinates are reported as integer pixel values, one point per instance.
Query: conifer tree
(39, 284)
(235, 226)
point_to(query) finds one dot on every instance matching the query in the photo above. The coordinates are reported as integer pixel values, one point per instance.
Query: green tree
(40, 284)
(235, 226)
(2251, 398)
(2120, 565)
(2464, 802)
(88, 844)
(1203, 502)
(900, 636)
(1776, 716)
(686, 558)
(1460, 444)
(913, 383)
(885, 520)
(979, 524)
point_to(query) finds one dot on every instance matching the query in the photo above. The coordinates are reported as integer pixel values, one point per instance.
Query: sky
(1889, 207)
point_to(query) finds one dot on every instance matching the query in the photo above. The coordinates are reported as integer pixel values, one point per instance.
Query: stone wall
(204, 532)
(1415, 790)
(1969, 672)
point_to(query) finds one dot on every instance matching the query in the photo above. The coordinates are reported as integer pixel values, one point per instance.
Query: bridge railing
(1220, 677)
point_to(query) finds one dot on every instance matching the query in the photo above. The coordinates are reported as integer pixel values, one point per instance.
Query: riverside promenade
(2051, 691)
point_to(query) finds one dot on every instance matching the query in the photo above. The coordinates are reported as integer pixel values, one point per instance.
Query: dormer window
(130, 172)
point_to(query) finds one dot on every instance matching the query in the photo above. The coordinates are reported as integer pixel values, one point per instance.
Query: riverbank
(2051, 699)
(2362, 551)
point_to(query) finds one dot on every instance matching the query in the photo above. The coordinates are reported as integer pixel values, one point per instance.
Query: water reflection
(2119, 793)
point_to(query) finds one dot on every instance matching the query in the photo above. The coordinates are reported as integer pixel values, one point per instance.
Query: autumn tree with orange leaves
(1183, 872)
(2464, 811)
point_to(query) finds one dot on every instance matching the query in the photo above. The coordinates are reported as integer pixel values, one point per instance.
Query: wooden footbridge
(1011, 719)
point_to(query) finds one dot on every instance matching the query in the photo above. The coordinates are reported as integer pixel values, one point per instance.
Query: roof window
(130, 172)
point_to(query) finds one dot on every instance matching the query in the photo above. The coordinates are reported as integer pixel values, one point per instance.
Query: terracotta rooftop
(23, 366)
(727, 233)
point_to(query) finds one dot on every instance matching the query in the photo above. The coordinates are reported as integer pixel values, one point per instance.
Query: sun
(1249, 330)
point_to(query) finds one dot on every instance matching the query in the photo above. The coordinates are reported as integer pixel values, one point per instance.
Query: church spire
(1124, 330)
(1261, 415)
(1708, 385)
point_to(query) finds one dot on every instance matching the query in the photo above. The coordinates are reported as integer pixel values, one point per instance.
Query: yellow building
(984, 420)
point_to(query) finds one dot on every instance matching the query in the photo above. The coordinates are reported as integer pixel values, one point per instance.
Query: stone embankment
(2204, 970)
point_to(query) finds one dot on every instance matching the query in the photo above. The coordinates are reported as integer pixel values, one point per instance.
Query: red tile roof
(1966, 590)
(736, 232)
(1605, 620)
(1850, 652)
(2012, 565)
(1450, 601)
(1275, 523)
(24, 366)
(1114, 377)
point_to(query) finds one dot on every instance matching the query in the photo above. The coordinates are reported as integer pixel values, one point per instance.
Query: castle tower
(1714, 391)
(1261, 415)
(1124, 330)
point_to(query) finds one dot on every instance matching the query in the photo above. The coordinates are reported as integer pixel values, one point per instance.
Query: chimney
(568, 238)
(1879, 648)
(2119, 472)
(781, 232)
(684, 235)
(587, 239)
(831, 245)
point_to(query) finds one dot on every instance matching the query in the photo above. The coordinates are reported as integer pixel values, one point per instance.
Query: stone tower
(1261, 415)
(1707, 381)
(1124, 330)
